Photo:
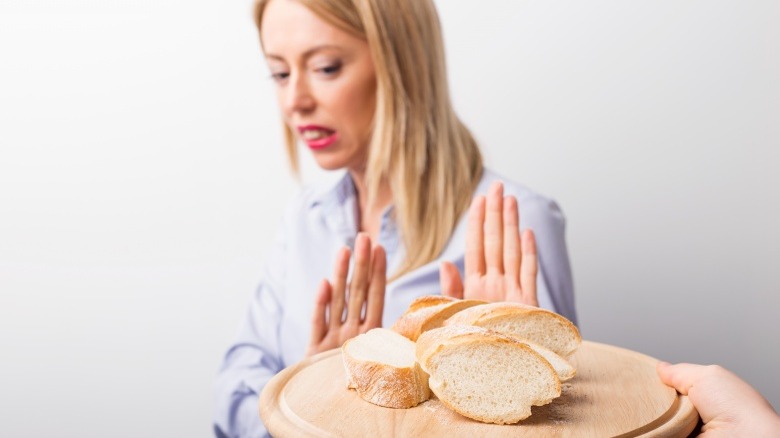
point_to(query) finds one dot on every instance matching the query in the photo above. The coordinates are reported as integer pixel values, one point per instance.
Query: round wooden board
(616, 392)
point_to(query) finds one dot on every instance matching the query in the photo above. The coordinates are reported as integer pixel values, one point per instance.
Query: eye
(329, 70)
(332, 68)
(279, 76)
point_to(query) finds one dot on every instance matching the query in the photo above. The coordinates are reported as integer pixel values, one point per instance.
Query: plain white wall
(142, 176)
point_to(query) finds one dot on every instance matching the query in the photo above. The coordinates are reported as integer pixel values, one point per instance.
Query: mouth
(317, 137)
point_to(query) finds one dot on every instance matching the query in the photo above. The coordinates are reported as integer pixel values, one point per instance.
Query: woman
(362, 83)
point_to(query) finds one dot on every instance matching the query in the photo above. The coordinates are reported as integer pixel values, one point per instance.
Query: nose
(297, 96)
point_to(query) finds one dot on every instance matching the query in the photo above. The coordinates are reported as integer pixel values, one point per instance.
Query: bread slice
(429, 312)
(525, 323)
(428, 301)
(563, 368)
(382, 367)
(484, 375)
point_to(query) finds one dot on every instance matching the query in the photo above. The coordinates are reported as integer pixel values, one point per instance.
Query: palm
(342, 310)
(492, 287)
(500, 264)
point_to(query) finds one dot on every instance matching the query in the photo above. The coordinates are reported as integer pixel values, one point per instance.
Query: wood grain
(616, 393)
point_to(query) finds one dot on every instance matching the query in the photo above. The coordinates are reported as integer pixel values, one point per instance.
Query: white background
(142, 176)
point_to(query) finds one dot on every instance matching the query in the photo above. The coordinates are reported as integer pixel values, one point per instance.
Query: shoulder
(304, 198)
(535, 208)
(298, 205)
(317, 197)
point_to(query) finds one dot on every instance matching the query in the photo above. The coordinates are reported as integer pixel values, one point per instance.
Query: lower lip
(322, 143)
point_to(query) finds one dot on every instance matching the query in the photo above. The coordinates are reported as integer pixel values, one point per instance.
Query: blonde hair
(419, 145)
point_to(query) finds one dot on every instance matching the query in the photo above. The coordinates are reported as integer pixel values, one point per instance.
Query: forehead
(289, 29)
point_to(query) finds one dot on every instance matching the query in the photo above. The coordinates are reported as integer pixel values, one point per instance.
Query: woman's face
(325, 82)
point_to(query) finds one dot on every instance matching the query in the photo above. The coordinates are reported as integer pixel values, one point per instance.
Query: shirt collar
(336, 195)
(339, 208)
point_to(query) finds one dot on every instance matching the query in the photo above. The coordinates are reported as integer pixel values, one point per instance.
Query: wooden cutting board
(616, 392)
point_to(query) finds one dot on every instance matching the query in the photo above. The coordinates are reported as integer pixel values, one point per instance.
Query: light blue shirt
(315, 226)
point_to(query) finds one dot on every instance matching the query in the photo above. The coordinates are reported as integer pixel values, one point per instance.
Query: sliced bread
(428, 301)
(525, 323)
(562, 367)
(429, 312)
(484, 375)
(381, 365)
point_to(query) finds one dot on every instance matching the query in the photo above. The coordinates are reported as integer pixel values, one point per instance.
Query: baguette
(380, 365)
(562, 367)
(484, 375)
(525, 323)
(429, 312)
(428, 301)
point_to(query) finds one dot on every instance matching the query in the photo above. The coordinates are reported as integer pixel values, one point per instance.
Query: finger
(339, 285)
(450, 281)
(359, 284)
(319, 326)
(375, 303)
(475, 250)
(494, 240)
(512, 249)
(681, 376)
(529, 268)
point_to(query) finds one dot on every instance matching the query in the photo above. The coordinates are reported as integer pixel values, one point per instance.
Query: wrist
(774, 426)
(766, 425)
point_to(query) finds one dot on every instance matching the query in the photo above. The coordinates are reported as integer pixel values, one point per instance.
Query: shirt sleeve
(254, 358)
(554, 279)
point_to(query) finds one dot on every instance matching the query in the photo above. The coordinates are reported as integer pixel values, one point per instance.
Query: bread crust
(435, 341)
(427, 301)
(429, 312)
(481, 315)
(383, 384)
(565, 370)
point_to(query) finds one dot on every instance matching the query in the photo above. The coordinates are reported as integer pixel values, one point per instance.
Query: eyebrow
(308, 52)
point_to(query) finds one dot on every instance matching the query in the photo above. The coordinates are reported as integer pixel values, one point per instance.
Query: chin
(329, 163)
(338, 158)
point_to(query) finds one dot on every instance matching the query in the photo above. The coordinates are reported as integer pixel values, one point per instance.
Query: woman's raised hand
(500, 264)
(344, 311)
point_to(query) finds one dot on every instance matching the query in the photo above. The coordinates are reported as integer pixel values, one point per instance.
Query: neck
(370, 216)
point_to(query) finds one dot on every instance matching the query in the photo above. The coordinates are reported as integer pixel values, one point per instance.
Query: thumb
(450, 281)
(680, 377)
(319, 324)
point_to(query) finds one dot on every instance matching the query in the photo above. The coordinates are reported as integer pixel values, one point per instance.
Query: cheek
(359, 103)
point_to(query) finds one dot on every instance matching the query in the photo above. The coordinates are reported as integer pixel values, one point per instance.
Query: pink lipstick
(317, 137)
